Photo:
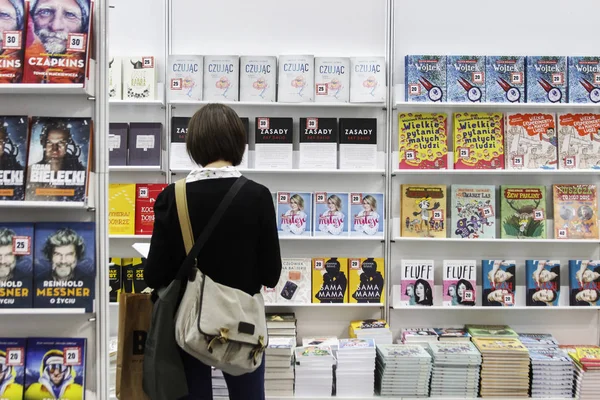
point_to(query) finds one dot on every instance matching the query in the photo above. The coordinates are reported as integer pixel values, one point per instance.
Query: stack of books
(452, 335)
(402, 370)
(376, 329)
(329, 341)
(219, 385)
(419, 335)
(279, 371)
(455, 369)
(355, 373)
(587, 371)
(314, 371)
(281, 325)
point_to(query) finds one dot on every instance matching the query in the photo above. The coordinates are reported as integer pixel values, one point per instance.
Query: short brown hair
(215, 132)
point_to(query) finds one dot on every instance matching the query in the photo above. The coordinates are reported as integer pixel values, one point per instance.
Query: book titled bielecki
(358, 143)
(274, 139)
(318, 143)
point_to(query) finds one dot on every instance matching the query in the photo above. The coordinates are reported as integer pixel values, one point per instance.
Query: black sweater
(243, 250)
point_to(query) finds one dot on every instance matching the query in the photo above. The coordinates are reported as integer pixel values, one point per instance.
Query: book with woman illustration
(543, 282)
(460, 283)
(366, 214)
(416, 283)
(330, 280)
(331, 214)
(584, 282)
(499, 283)
(294, 211)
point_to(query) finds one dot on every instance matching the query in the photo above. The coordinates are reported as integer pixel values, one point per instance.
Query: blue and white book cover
(14, 139)
(505, 79)
(367, 214)
(55, 369)
(465, 79)
(543, 282)
(547, 79)
(65, 265)
(584, 282)
(16, 265)
(331, 214)
(294, 214)
(584, 79)
(499, 283)
(12, 368)
(425, 78)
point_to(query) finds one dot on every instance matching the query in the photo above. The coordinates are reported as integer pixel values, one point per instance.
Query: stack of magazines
(402, 370)
(314, 371)
(587, 371)
(455, 369)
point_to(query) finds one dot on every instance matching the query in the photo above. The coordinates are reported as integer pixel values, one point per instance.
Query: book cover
(115, 278)
(422, 140)
(294, 213)
(246, 123)
(575, 211)
(547, 79)
(179, 159)
(117, 143)
(115, 78)
(584, 282)
(331, 214)
(584, 79)
(65, 265)
(296, 79)
(459, 283)
(185, 78)
(330, 280)
(133, 272)
(13, 353)
(416, 283)
(499, 283)
(16, 265)
(491, 331)
(294, 286)
(523, 212)
(358, 143)
(145, 198)
(505, 79)
(473, 211)
(12, 41)
(367, 214)
(423, 210)
(269, 295)
(531, 141)
(144, 143)
(579, 141)
(59, 159)
(139, 78)
(478, 140)
(318, 143)
(425, 78)
(466, 79)
(367, 79)
(332, 79)
(221, 78)
(274, 141)
(543, 282)
(366, 280)
(55, 369)
(121, 208)
(14, 139)
(258, 80)
(57, 52)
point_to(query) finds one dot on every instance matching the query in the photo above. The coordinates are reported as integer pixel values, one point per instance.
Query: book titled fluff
(505, 79)
(274, 141)
(460, 283)
(221, 78)
(358, 143)
(543, 282)
(584, 79)
(139, 78)
(466, 79)
(367, 79)
(258, 81)
(318, 143)
(115, 81)
(425, 78)
(547, 79)
(296, 79)
(499, 282)
(416, 287)
(185, 78)
(332, 79)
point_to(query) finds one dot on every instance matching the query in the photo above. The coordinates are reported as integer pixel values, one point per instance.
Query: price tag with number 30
(11, 40)
(77, 42)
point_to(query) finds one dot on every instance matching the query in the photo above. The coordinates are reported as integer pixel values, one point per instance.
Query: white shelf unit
(524, 107)
(277, 104)
(134, 237)
(42, 311)
(42, 204)
(525, 242)
(134, 168)
(501, 172)
(117, 102)
(47, 89)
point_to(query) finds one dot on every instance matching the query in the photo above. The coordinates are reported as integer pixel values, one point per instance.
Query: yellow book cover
(115, 278)
(330, 280)
(366, 325)
(422, 141)
(499, 345)
(366, 280)
(478, 140)
(575, 211)
(121, 209)
(139, 284)
(423, 211)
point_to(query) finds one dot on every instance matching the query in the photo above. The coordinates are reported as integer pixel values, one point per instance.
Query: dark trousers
(244, 387)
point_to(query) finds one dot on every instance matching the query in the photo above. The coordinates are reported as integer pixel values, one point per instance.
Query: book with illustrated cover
(16, 265)
(330, 280)
(139, 78)
(367, 214)
(575, 211)
(59, 159)
(133, 275)
(422, 140)
(318, 143)
(543, 282)
(419, 335)
(452, 334)
(185, 78)
(258, 78)
(358, 143)
(366, 280)
(523, 212)
(221, 78)
(425, 78)
(531, 141)
(144, 140)
(121, 208)
(547, 79)
(294, 285)
(499, 283)
(115, 78)
(294, 214)
(584, 79)
(179, 159)
(487, 345)
(505, 80)
(491, 331)
(118, 134)
(12, 41)
(584, 282)
(115, 278)
(579, 141)
(13, 354)
(14, 140)
(324, 341)
(296, 78)
(466, 78)
(478, 140)
(417, 286)
(332, 79)
(460, 283)
(145, 198)
(274, 142)
(367, 79)
(423, 210)
(473, 211)
(331, 214)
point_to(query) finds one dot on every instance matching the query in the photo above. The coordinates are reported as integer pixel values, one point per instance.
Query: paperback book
(547, 79)
(523, 212)
(118, 133)
(417, 286)
(367, 217)
(358, 143)
(330, 280)
(133, 275)
(423, 210)
(499, 283)
(531, 141)
(367, 79)
(460, 283)
(185, 78)
(491, 331)
(366, 280)
(332, 79)
(294, 213)
(16, 265)
(115, 78)
(422, 140)
(318, 143)
(12, 46)
(121, 208)
(579, 141)
(221, 78)
(331, 214)
(466, 79)
(584, 79)
(145, 198)
(258, 78)
(584, 282)
(179, 159)
(294, 285)
(296, 78)
(13, 355)
(543, 282)
(115, 278)
(505, 80)
(478, 140)
(145, 143)
(575, 211)
(473, 211)
(425, 78)
(274, 141)
(139, 78)
(14, 139)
